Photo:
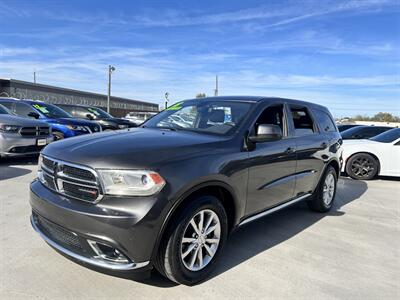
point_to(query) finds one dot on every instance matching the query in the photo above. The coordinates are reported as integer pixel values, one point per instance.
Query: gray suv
(21, 136)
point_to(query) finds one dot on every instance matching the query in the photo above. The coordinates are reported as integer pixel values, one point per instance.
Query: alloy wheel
(200, 240)
(328, 189)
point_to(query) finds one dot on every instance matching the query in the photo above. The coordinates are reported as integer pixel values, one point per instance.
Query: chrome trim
(91, 261)
(272, 210)
(98, 184)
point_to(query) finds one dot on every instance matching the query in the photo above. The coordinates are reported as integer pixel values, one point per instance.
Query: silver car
(21, 136)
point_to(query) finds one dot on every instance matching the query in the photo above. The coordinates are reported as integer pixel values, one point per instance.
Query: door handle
(290, 150)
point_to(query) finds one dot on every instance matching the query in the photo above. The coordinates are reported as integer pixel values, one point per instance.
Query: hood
(358, 142)
(19, 121)
(116, 121)
(132, 148)
(66, 121)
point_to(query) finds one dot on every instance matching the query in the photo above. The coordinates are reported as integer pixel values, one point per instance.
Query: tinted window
(4, 110)
(81, 112)
(325, 122)
(216, 117)
(272, 115)
(68, 109)
(373, 131)
(8, 105)
(303, 124)
(388, 136)
(22, 109)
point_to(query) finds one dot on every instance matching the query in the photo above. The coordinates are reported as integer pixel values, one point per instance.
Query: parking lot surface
(351, 252)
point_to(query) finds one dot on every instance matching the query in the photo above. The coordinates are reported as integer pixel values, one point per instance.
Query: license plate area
(41, 142)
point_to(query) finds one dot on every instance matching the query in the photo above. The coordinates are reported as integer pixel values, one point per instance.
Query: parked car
(63, 124)
(164, 196)
(20, 136)
(106, 121)
(343, 127)
(139, 117)
(363, 132)
(380, 155)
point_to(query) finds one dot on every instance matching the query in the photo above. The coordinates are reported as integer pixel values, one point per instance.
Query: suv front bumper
(17, 145)
(129, 226)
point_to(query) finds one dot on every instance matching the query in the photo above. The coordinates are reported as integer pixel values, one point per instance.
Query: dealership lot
(351, 252)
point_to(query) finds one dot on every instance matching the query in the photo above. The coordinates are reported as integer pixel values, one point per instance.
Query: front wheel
(193, 245)
(324, 195)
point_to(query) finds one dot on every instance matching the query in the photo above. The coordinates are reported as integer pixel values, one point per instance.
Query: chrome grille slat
(68, 179)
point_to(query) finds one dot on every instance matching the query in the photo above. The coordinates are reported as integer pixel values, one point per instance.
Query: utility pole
(110, 70)
(216, 86)
(166, 100)
(34, 77)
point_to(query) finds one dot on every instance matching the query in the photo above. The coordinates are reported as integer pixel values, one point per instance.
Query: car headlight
(77, 128)
(9, 128)
(131, 182)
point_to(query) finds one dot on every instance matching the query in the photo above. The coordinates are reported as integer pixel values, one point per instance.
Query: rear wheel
(194, 243)
(362, 166)
(324, 195)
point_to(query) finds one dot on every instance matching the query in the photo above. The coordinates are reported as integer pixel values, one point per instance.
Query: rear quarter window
(325, 121)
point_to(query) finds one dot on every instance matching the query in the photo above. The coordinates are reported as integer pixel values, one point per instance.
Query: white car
(380, 155)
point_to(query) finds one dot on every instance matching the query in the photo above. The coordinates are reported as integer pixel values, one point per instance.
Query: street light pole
(110, 70)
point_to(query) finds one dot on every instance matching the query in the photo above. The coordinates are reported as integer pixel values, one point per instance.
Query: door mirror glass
(34, 115)
(266, 133)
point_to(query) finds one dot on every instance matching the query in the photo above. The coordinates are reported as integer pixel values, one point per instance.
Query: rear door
(272, 165)
(312, 148)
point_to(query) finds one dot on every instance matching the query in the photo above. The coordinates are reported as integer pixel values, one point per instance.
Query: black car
(363, 132)
(166, 195)
(106, 121)
(344, 127)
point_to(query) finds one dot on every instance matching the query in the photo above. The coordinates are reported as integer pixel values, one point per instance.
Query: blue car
(62, 123)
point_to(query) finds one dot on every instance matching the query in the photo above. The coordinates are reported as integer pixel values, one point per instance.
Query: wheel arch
(364, 152)
(219, 189)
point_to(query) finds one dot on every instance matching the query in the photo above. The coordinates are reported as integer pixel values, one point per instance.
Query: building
(119, 107)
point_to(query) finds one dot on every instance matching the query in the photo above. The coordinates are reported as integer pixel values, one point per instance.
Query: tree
(201, 95)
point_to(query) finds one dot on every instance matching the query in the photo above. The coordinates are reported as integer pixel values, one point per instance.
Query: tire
(174, 259)
(324, 195)
(362, 166)
(58, 135)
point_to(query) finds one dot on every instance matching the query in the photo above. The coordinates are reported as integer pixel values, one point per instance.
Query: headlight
(123, 126)
(77, 127)
(131, 183)
(9, 128)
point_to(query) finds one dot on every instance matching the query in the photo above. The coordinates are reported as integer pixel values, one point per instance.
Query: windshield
(51, 111)
(215, 117)
(4, 110)
(388, 136)
(98, 113)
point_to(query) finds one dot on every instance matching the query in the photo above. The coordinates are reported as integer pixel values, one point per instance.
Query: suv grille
(35, 131)
(59, 234)
(73, 181)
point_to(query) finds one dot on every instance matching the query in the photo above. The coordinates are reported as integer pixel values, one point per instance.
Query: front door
(272, 165)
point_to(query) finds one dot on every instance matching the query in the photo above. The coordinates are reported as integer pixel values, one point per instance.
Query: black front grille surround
(35, 131)
(71, 180)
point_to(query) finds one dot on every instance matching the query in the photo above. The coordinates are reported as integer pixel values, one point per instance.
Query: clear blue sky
(343, 54)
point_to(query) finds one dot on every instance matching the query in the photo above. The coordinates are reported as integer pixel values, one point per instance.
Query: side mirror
(89, 116)
(266, 133)
(34, 115)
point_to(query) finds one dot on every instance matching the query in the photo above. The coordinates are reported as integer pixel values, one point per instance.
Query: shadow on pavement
(8, 171)
(267, 232)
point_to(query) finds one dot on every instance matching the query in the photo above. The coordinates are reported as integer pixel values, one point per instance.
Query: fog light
(108, 253)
